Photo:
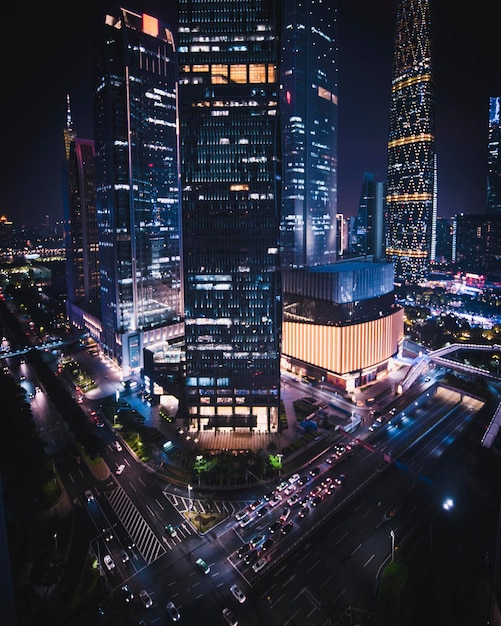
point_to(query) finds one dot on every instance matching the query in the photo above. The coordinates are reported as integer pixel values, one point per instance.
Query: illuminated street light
(280, 457)
(189, 497)
(392, 535)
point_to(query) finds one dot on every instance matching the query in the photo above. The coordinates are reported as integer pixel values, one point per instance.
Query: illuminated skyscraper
(494, 158)
(411, 147)
(137, 193)
(367, 232)
(309, 113)
(230, 141)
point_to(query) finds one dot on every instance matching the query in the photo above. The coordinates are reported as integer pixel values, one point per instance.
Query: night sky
(47, 53)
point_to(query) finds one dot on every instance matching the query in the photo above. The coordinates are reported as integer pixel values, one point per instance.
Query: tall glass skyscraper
(367, 231)
(82, 245)
(411, 146)
(230, 142)
(136, 142)
(494, 158)
(309, 114)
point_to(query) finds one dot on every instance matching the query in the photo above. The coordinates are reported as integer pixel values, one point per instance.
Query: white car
(108, 561)
(117, 446)
(120, 469)
(259, 565)
(238, 593)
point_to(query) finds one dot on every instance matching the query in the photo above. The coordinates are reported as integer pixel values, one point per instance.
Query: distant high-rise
(137, 192)
(309, 115)
(367, 231)
(82, 267)
(410, 200)
(230, 141)
(494, 158)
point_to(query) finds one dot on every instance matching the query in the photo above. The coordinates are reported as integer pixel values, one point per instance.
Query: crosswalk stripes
(147, 543)
(228, 507)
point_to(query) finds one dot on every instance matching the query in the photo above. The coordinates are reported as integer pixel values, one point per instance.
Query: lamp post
(280, 457)
(392, 535)
(189, 497)
(55, 540)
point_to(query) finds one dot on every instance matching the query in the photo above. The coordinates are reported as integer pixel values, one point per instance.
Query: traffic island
(203, 522)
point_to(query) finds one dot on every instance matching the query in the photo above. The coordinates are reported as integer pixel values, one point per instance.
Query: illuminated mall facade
(341, 322)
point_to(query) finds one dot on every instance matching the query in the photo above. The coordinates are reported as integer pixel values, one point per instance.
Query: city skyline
(466, 75)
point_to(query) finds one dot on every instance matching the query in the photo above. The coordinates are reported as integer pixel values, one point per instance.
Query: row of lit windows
(222, 73)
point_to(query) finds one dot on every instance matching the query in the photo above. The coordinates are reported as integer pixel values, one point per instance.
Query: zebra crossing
(146, 542)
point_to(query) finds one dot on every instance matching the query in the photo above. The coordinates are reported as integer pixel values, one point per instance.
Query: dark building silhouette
(81, 235)
(494, 158)
(443, 252)
(411, 146)
(367, 236)
(477, 244)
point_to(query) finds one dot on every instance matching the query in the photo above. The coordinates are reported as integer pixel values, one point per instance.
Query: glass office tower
(309, 113)
(411, 146)
(81, 233)
(494, 158)
(230, 144)
(137, 192)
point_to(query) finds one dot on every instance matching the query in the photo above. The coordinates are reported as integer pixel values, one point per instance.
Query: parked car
(109, 562)
(238, 593)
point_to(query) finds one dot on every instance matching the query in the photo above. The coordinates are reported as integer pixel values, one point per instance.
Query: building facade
(136, 141)
(309, 112)
(367, 231)
(494, 158)
(411, 178)
(230, 142)
(81, 234)
(341, 322)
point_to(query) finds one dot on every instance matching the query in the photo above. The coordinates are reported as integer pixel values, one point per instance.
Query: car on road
(275, 499)
(330, 460)
(326, 482)
(263, 510)
(109, 562)
(243, 550)
(251, 557)
(127, 593)
(145, 598)
(124, 556)
(107, 534)
(173, 611)
(294, 499)
(275, 526)
(202, 565)
(230, 617)
(302, 481)
(255, 504)
(89, 495)
(315, 471)
(316, 500)
(117, 446)
(285, 514)
(304, 510)
(259, 565)
(120, 469)
(238, 593)
(170, 530)
(246, 519)
(257, 541)
(286, 528)
(268, 544)
(315, 491)
(339, 480)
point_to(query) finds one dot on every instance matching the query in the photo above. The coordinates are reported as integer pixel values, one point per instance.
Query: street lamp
(189, 497)
(280, 457)
(392, 535)
(55, 540)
